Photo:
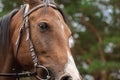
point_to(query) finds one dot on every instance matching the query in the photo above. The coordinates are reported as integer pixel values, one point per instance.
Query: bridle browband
(25, 25)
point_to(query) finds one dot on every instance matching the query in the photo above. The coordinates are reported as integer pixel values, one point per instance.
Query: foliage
(95, 25)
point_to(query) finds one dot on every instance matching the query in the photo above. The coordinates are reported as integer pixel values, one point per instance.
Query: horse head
(41, 36)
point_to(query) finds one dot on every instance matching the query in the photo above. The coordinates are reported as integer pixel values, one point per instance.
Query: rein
(25, 25)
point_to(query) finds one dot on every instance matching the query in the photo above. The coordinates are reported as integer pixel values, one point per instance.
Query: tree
(95, 26)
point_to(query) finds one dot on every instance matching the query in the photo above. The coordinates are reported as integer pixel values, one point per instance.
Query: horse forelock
(4, 31)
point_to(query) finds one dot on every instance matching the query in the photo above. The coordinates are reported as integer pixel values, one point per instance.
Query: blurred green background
(96, 34)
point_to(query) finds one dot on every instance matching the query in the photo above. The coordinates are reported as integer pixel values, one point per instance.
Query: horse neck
(6, 63)
(6, 66)
(7, 60)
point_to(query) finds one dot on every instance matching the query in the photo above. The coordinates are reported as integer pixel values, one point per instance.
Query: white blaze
(71, 68)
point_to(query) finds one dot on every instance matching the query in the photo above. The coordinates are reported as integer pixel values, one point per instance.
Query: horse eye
(43, 26)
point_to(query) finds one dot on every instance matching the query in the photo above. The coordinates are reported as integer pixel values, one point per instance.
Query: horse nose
(66, 77)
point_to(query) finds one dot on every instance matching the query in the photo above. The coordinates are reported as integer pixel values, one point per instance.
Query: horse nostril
(67, 77)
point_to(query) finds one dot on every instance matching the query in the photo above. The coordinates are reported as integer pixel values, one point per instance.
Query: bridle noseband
(25, 25)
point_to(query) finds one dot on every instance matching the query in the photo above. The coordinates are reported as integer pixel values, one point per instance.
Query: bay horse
(34, 42)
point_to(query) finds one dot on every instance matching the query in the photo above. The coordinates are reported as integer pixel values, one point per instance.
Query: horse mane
(4, 31)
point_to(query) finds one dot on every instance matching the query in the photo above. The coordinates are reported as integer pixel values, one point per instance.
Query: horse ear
(32, 1)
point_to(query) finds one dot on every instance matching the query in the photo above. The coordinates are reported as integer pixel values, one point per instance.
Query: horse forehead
(47, 13)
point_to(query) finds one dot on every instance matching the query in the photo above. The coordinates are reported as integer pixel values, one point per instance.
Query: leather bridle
(25, 25)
